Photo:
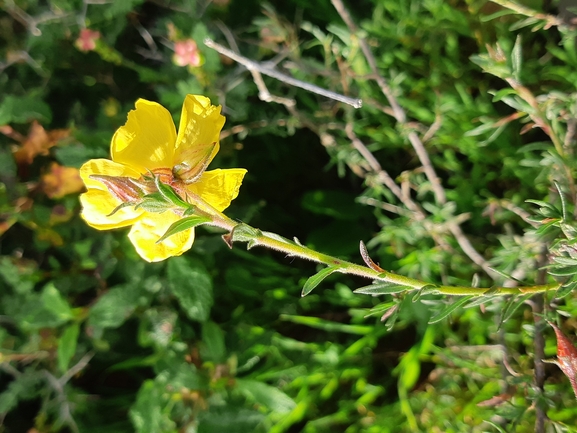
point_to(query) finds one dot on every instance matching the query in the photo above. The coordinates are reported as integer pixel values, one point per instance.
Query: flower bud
(125, 189)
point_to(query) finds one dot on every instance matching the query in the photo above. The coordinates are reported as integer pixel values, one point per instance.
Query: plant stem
(256, 237)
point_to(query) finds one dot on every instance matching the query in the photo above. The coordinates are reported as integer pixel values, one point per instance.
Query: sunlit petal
(200, 125)
(146, 231)
(219, 187)
(98, 204)
(147, 139)
(104, 167)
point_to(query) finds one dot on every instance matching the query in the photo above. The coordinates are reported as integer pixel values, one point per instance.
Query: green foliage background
(93, 339)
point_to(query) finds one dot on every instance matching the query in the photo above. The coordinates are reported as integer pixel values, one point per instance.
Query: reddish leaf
(566, 357)
(38, 142)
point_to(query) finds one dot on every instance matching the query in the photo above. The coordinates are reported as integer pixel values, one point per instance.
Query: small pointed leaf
(121, 206)
(183, 224)
(317, 278)
(513, 305)
(478, 300)
(244, 233)
(381, 308)
(382, 288)
(449, 309)
(563, 271)
(565, 289)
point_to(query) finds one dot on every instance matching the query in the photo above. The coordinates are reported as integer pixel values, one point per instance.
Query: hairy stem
(255, 237)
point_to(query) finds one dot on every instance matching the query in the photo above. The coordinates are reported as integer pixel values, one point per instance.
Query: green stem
(256, 237)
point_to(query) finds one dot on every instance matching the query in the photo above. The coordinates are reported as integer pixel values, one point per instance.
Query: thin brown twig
(401, 118)
(265, 70)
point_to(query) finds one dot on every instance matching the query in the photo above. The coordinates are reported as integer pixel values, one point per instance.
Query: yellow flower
(148, 143)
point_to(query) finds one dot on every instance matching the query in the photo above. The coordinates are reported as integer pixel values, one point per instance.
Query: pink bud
(186, 53)
(87, 40)
(125, 189)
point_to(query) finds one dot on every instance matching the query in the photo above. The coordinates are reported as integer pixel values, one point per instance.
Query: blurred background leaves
(93, 339)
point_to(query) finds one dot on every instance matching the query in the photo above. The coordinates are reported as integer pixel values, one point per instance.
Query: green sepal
(183, 224)
(154, 202)
(122, 206)
(169, 194)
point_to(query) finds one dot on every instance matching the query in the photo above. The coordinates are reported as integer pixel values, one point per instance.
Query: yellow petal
(147, 139)
(146, 231)
(98, 204)
(104, 167)
(200, 125)
(219, 187)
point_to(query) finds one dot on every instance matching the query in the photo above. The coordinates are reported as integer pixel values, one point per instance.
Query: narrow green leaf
(121, 206)
(478, 300)
(565, 289)
(517, 58)
(381, 308)
(317, 278)
(498, 427)
(513, 305)
(540, 203)
(67, 346)
(563, 271)
(499, 14)
(507, 276)
(449, 309)
(563, 201)
(547, 209)
(391, 319)
(182, 225)
(382, 288)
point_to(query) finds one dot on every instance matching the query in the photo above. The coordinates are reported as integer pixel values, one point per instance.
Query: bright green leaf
(449, 309)
(317, 278)
(183, 224)
(192, 286)
(67, 346)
